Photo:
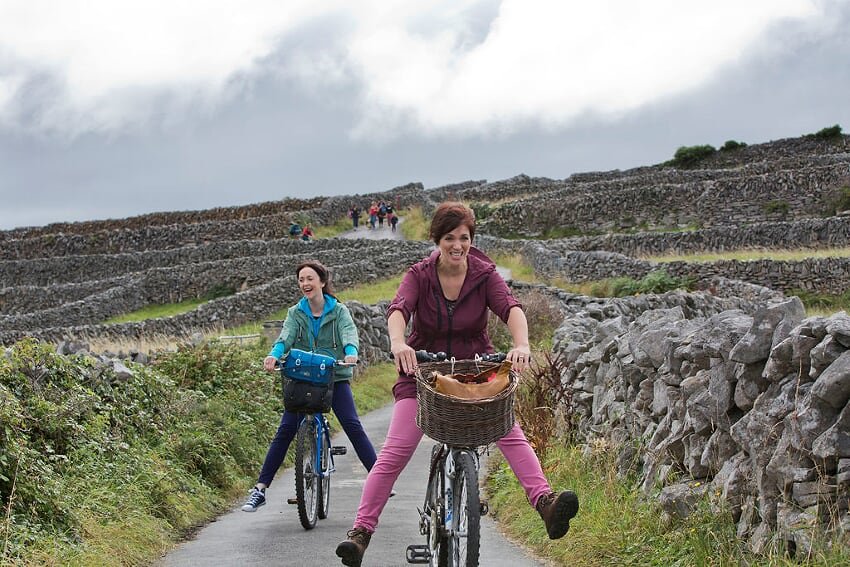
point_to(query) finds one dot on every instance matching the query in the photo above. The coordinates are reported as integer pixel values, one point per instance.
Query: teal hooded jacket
(333, 333)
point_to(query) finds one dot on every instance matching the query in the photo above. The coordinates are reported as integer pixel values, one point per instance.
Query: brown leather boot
(557, 510)
(351, 550)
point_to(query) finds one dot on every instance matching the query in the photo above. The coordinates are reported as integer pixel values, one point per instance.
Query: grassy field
(745, 255)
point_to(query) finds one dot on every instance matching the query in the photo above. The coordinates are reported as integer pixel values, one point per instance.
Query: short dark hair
(321, 270)
(448, 216)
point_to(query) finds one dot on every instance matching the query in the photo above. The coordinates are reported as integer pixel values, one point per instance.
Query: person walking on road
(354, 214)
(317, 322)
(448, 295)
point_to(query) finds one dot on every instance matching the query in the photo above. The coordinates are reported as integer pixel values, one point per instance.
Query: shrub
(219, 290)
(656, 281)
(481, 210)
(543, 318)
(777, 207)
(544, 404)
(837, 200)
(555, 232)
(830, 133)
(687, 156)
(823, 301)
(731, 145)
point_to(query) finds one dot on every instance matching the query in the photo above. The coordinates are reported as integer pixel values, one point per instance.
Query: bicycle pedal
(485, 508)
(339, 450)
(418, 554)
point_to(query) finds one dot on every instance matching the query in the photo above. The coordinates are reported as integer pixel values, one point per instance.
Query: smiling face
(454, 247)
(310, 283)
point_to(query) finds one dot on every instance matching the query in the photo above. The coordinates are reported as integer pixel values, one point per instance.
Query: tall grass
(340, 225)
(415, 225)
(616, 525)
(520, 269)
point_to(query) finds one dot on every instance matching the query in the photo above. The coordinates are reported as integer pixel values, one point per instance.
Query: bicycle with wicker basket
(464, 405)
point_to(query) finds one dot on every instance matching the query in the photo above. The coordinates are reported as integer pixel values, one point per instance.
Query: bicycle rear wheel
(306, 480)
(465, 536)
(323, 494)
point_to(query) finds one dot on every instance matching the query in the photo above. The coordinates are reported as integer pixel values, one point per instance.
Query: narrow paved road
(274, 536)
(382, 233)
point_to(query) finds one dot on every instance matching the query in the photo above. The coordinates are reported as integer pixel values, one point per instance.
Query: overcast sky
(110, 109)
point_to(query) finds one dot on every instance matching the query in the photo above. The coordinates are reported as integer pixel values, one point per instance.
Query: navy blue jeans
(343, 408)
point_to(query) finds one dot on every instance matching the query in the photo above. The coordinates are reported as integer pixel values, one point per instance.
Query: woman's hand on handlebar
(405, 358)
(520, 358)
(350, 359)
(269, 363)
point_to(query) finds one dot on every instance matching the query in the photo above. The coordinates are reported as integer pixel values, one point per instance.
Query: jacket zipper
(439, 316)
(450, 315)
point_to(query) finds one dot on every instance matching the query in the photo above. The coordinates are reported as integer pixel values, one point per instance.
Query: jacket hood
(330, 303)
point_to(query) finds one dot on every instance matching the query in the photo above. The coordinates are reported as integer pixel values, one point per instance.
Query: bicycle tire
(465, 538)
(435, 504)
(305, 474)
(323, 493)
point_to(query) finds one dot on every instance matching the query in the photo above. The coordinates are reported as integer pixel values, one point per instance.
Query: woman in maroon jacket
(449, 293)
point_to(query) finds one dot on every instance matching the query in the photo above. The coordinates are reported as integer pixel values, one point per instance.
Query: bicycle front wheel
(465, 536)
(324, 481)
(306, 479)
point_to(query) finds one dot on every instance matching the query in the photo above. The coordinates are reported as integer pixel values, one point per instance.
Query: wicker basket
(463, 423)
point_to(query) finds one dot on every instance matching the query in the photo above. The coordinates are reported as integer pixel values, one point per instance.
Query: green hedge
(89, 457)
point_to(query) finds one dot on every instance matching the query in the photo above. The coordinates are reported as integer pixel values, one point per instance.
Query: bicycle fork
(324, 437)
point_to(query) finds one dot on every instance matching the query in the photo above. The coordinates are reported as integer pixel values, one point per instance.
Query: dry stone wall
(258, 279)
(830, 232)
(140, 222)
(747, 408)
(822, 275)
(82, 268)
(726, 201)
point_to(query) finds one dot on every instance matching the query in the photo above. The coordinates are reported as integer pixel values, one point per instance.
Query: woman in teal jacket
(319, 323)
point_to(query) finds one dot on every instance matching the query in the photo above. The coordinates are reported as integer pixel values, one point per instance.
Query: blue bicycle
(314, 463)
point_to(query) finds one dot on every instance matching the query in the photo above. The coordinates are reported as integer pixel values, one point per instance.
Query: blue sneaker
(255, 500)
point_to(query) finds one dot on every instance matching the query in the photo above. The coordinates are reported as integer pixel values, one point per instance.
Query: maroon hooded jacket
(459, 330)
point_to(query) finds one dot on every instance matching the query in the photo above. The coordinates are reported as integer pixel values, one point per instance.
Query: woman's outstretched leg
(402, 439)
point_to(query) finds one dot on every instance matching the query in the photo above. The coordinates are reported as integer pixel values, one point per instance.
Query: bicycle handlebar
(425, 356)
(278, 361)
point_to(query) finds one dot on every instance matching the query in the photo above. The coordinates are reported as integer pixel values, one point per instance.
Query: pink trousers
(403, 437)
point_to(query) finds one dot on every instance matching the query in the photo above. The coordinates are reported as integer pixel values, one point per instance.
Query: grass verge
(617, 526)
